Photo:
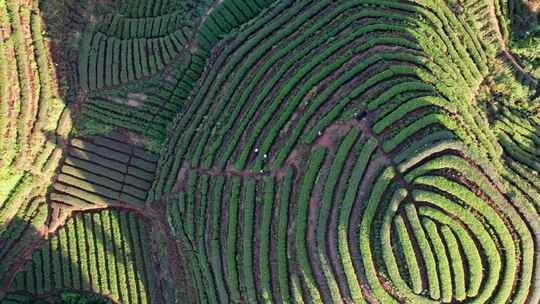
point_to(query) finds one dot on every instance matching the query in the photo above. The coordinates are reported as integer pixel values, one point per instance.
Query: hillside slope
(313, 151)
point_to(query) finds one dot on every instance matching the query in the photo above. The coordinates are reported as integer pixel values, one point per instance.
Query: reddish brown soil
(334, 131)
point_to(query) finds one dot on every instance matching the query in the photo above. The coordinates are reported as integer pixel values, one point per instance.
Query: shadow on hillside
(523, 43)
(525, 16)
(34, 267)
(63, 297)
(76, 258)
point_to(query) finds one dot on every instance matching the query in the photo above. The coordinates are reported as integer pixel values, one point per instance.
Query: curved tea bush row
(193, 115)
(226, 16)
(104, 252)
(109, 61)
(519, 139)
(441, 260)
(325, 207)
(520, 216)
(416, 218)
(24, 228)
(223, 126)
(444, 289)
(265, 204)
(327, 152)
(123, 27)
(33, 123)
(120, 50)
(496, 243)
(149, 108)
(193, 119)
(154, 8)
(136, 42)
(30, 108)
(482, 21)
(509, 216)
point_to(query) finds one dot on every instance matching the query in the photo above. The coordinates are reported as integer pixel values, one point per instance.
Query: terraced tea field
(269, 151)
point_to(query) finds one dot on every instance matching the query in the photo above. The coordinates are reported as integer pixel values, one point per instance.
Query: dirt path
(176, 270)
(331, 238)
(354, 221)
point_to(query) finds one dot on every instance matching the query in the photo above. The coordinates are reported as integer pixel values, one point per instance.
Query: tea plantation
(269, 151)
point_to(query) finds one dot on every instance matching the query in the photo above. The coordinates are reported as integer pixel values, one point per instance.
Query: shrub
(313, 167)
